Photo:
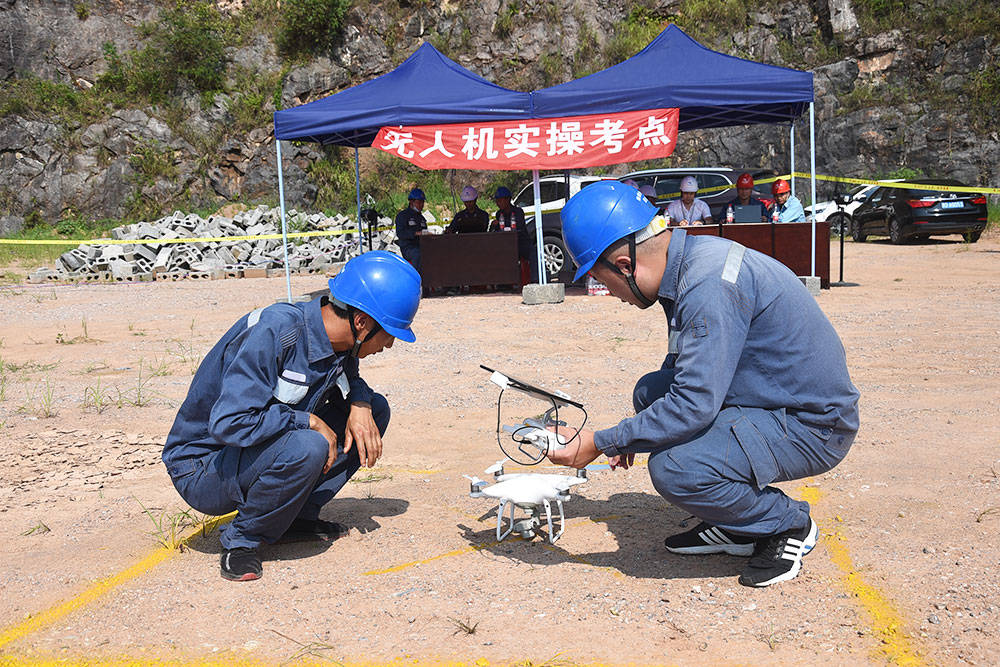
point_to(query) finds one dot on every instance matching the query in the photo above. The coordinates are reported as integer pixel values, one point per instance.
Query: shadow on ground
(354, 513)
(638, 522)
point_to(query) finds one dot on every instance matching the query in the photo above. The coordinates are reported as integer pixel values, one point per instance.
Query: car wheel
(971, 237)
(856, 233)
(555, 256)
(839, 224)
(895, 232)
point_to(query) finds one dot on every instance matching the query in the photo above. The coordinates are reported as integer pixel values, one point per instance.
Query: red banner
(539, 143)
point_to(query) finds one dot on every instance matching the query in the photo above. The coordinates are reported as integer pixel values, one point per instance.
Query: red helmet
(779, 186)
(744, 181)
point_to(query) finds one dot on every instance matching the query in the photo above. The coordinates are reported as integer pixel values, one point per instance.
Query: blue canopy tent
(711, 89)
(426, 88)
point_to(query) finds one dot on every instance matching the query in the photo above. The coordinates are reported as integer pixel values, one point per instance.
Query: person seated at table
(787, 207)
(689, 210)
(510, 218)
(649, 192)
(471, 219)
(744, 196)
(410, 223)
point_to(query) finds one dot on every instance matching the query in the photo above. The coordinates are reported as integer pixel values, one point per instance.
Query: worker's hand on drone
(362, 431)
(624, 461)
(318, 425)
(578, 452)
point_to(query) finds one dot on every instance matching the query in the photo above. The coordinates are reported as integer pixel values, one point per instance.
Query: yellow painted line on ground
(314, 658)
(487, 545)
(414, 563)
(886, 622)
(36, 622)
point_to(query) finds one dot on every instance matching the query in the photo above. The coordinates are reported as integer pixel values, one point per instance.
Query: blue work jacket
(272, 369)
(744, 332)
(409, 221)
(792, 211)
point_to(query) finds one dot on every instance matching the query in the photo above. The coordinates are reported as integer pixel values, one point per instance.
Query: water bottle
(666, 216)
(774, 213)
(729, 214)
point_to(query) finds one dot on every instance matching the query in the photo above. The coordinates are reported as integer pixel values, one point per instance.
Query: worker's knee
(380, 412)
(306, 450)
(651, 387)
(676, 481)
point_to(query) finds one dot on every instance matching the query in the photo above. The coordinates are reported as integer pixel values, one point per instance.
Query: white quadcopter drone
(532, 492)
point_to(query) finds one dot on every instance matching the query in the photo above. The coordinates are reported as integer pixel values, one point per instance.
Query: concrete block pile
(213, 259)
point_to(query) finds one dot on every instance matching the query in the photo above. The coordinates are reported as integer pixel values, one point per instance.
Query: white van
(553, 192)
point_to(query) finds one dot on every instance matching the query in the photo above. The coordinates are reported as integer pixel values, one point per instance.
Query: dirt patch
(93, 376)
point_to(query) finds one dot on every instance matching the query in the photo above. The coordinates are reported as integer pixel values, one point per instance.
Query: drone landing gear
(530, 526)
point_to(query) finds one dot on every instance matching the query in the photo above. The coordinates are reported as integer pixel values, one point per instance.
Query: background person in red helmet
(688, 210)
(787, 208)
(744, 195)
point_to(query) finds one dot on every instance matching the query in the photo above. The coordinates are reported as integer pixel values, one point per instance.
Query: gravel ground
(92, 376)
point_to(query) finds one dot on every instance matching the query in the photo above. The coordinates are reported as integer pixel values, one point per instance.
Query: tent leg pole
(284, 222)
(791, 127)
(540, 247)
(812, 174)
(357, 193)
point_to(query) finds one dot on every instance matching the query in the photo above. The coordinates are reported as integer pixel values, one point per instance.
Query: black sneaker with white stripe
(778, 558)
(708, 539)
(240, 564)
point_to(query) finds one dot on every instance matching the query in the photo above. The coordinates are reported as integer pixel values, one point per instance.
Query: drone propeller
(496, 468)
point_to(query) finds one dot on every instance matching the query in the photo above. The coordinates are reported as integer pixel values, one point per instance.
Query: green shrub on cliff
(307, 26)
(186, 45)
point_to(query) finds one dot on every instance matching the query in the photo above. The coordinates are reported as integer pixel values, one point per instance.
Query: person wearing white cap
(472, 218)
(688, 210)
(649, 193)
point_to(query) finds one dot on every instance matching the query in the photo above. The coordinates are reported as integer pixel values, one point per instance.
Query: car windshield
(858, 190)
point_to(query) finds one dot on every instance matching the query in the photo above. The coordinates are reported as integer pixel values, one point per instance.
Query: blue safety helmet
(598, 216)
(416, 193)
(502, 192)
(384, 286)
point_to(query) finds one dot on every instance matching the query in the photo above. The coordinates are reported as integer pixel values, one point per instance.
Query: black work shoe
(240, 564)
(778, 558)
(708, 539)
(312, 530)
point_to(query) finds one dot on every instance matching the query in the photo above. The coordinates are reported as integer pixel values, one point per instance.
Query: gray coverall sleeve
(716, 316)
(245, 415)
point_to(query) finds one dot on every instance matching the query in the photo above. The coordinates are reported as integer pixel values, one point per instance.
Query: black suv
(904, 213)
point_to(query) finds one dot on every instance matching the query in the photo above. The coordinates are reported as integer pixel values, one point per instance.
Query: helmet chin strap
(630, 277)
(376, 327)
(354, 332)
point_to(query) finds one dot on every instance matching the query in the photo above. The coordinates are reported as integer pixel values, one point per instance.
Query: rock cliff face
(885, 99)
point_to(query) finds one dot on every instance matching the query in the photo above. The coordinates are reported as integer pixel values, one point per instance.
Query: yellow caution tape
(854, 181)
(902, 184)
(340, 232)
(203, 239)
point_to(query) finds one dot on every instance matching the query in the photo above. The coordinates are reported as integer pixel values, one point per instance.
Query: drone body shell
(531, 488)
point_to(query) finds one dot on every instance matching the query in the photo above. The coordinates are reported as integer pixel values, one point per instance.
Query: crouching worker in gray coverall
(277, 418)
(754, 389)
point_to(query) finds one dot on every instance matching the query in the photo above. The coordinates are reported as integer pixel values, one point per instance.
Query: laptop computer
(750, 213)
